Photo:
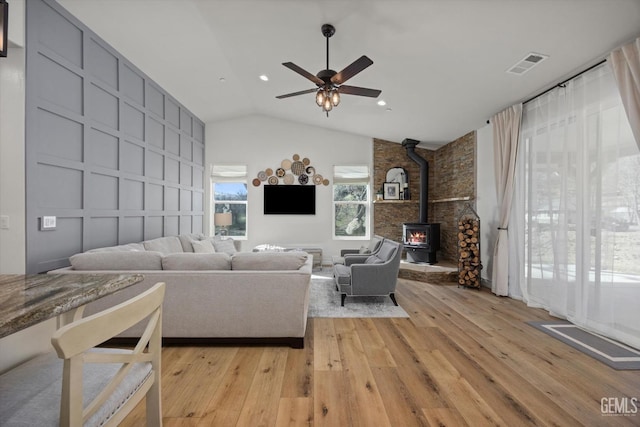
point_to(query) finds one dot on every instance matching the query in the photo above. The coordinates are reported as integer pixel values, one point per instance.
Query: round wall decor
(280, 172)
(268, 171)
(256, 182)
(303, 179)
(317, 179)
(286, 164)
(288, 179)
(262, 175)
(310, 170)
(273, 180)
(297, 167)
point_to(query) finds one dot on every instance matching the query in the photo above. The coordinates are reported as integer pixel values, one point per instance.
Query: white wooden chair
(139, 373)
(91, 386)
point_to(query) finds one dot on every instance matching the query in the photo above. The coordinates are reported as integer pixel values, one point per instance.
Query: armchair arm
(344, 252)
(355, 259)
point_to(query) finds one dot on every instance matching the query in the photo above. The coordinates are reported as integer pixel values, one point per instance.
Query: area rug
(612, 353)
(324, 301)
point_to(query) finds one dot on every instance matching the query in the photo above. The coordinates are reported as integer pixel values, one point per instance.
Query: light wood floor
(463, 358)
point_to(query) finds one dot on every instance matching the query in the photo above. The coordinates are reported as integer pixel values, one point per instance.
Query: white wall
(486, 203)
(25, 344)
(262, 142)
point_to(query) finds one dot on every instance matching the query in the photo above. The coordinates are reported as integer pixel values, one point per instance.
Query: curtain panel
(625, 63)
(576, 208)
(506, 127)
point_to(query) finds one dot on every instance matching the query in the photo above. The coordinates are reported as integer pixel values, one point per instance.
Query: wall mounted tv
(289, 199)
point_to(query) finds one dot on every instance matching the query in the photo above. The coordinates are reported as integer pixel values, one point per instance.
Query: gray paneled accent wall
(109, 153)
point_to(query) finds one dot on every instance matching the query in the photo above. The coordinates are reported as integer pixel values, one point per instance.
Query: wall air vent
(528, 62)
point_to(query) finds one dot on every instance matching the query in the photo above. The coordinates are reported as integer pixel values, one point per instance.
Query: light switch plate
(48, 223)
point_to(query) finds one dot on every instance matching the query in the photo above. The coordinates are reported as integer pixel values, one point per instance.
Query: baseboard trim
(293, 342)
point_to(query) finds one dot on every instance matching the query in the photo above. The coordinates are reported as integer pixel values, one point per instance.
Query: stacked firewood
(469, 265)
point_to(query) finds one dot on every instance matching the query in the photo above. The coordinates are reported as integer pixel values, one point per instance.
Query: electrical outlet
(4, 222)
(48, 223)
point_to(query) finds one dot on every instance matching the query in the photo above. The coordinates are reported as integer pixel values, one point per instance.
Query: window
(229, 191)
(351, 202)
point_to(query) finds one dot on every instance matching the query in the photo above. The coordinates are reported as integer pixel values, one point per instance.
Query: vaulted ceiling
(441, 64)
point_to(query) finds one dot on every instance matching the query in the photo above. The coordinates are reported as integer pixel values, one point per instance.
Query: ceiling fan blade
(303, 72)
(360, 91)
(351, 70)
(302, 92)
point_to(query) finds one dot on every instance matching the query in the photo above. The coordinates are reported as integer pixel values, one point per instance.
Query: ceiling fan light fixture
(320, 97)
(335, 97)
(327, 106)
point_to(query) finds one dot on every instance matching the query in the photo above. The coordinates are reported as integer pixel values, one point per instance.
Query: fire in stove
(417, 238)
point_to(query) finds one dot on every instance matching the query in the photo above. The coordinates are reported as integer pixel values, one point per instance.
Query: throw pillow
(373, 260)
(203, 247)
(225, 246)
(364, 250)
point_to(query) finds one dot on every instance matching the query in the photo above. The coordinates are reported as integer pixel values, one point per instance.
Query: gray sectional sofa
(214, 293)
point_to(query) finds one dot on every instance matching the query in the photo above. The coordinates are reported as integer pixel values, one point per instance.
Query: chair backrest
(138, 374)
(375, 244)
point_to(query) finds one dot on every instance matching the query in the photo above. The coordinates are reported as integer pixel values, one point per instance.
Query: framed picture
(391, 190)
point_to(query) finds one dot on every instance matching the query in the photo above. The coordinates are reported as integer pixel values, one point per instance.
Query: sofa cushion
(268, 260)
(165, 245)
(186, 241)
(224, 245)
(197, 261)
(118, 260)
(203, 247)
(129, 247)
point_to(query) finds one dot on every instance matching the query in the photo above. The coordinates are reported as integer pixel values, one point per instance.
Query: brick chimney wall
(451, 175)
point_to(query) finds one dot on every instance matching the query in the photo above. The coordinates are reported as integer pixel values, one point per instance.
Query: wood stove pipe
(410, 145)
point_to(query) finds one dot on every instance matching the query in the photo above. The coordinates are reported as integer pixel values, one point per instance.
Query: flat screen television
(289, 199)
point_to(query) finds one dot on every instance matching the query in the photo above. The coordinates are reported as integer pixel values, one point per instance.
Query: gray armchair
(359, 255)
(377, 276)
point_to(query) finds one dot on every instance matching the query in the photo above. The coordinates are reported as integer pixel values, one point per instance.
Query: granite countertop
(26, 300)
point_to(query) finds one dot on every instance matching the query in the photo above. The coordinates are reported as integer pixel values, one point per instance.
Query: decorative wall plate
(268, 171)
(310, 170)
(288, 179)
(280, 172)
(303, 179)
(325, 182)
(256, 182)
(273, 180)
(296, 157)
(262, 175)
(297, 168)
(317, 179)
(306, 161)
(286, 164)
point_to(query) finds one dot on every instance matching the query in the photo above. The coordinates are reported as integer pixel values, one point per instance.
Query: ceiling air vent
(527, 63)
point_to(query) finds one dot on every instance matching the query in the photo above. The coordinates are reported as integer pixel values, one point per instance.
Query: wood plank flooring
(463, 358)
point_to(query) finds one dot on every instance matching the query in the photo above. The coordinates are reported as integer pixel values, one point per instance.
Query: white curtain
(506, 126)
(626, 69)
(576, 208)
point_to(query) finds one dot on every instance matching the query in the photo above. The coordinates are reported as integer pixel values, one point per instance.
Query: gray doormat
(324, 301)
(612, 353)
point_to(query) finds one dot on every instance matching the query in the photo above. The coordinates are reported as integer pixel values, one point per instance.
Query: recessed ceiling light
(388, 109)
(382, 103)
(264, 78)
(222, 80)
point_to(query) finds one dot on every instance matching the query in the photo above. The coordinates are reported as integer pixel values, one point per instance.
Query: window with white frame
(229, 200)
(351, 202)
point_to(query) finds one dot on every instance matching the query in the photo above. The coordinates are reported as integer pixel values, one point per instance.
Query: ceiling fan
(330, 84)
